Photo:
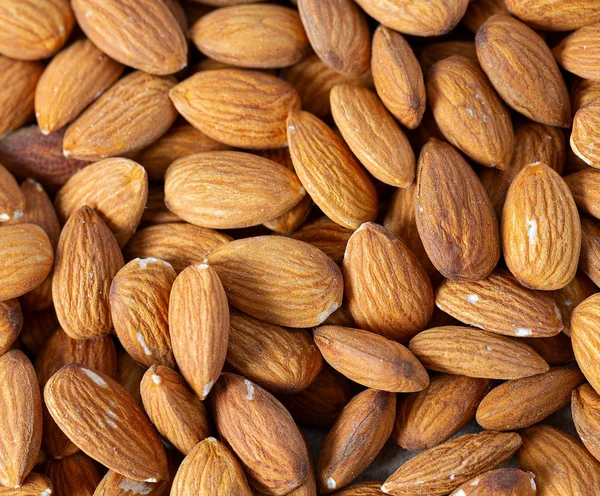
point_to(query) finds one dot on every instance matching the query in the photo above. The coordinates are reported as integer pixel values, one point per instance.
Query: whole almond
(578, 52)
(12, 199)
(555, 350)
(434, 52)
(327, 236)
(480, 11)
(555, 15)
(113, 484)
(76, 474)
(33, 485)
(583, 91)
(500, 482)
(584, 186)
(589, 261)
(129, 375)
(585, 405)
(586, 339)
(361, 489)
(585, 133)
(11, 323)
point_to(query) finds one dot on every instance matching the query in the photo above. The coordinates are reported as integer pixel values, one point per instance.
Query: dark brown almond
(11, 323)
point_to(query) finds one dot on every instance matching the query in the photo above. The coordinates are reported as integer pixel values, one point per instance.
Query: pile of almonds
(225, 225)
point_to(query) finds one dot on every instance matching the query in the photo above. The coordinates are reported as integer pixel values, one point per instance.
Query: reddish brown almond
(157, 45)
(585, 405)
(77, 474)
(583, 91)
(586, 339)
(434, 52)
(34, 29)
(584, 188)
(387, 290)
(173, 408)
(555, 15)
(578, 53)
(279, 280)
(443, 468)
(480, 11)
(327, 236)
(239, 108)
(500, 304)
(117, 188)
(475, 353)
(589, 261)
(398, 77)
(555, 350)
(262, 434)
(139, 307)
(254, 36)
(361, 489)
(21, 404)
(356, 438)
(585, 133)
(87, 259)
(463, 243)
(156, 212)
(33, 485)
(11, 323)
(501, 482)
(523, 71)
(370, 359)
(133, 113)
(129, 375)
(432, 416)
(12, 199)
(30, 253)
(37, 328)
(373, 135)
(113, 484)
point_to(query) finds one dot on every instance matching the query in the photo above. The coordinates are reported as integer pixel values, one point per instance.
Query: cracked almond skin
(500, 304)
(109, 127)
(240, 108)
(462, 243)
(175, 410)
(355, 439)
(398, 77)
(475, 353)
(116, 187)
(210, 468)
(12, 198)
(523, 402)
(113, 484)
(555, 15)
(586, 338)
(541, 230)
(279, 280)
(371, 360)
(373, 135)
(87, 259)
(447, 466)
(468, 111)
(11, 323)
(432, 416)
(105, 422)
(262, 434)
(584, 186)
(326, 235)
(523, 71)
(546, 448)
(143, 36)
(33, 485)
(21, 404)
(585, 407)
(139, 306)
(77, 474)
(585, 133)
(260, 36)
(387, 290)
(578, 53)
(58, 100)
(500, 482)
(199, 326)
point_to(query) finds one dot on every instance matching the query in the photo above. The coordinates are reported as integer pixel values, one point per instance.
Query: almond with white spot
(501, 482)
(33, 485)
(113, 484)
(12, 199)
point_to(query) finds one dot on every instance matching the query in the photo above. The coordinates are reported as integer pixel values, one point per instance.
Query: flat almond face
(555, 15)
(12, 199)
(117, 188)
(578, 53)
(463, 243)
(246, 109)
(262, 434)
(279, 280)
(585, 133)
(500, 304)
(586, 339)
(504, 481)
(541, 230)
(475, 353)
(156, 46)
(11, 323)
(33, 485)
(585, 407)
(370, 359)
(87, 259)
(441, 469)
(387, 290)
(523, 71)
(105, 422)
(255, 36)
(355, 439)
(21, 404)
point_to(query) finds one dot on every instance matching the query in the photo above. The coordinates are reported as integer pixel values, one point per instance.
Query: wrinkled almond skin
(523, 71)
(585, 407)
(578, 53)
(500, 482)
(33, 485)
(77, 474)
(87, 259)
(432, 416)
(261, 433)
(583, 91)
(480, 11)
(584, 186)
(12, 199)
(280, 280)
(463, 243)
(585, 133)
(541, 230)
(156, 212)
(11, 323)
(387, 290)
(434, 52)
(555, 15)
(555, 350)
(113, 484)
(355, 439)
(361, 489)
(586, 339)
(589, 260)
(143, 36)
(327, 236)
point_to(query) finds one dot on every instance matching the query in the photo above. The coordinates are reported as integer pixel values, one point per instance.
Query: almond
(113, 484)
(11, 323)
(555, 350)
(434, 52)
(503, 481)
(74, 474)
(589, 261)
(361, 489)
(583, 91)
(12, 199)
(327, 236)
(585, 405)
(156, 212)
(33, 485)
(129, 375)
(480, 11)
(585, 338)
(584, 186)
(37, 328)
(578, 53)
(552, 15)
(474, 353)
(585, 133)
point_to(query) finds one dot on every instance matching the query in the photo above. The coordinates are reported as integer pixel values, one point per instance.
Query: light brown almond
(589, 260)
(555, 350)
(578, 53)
(12, 199)
(76, 474)
(434, 52)
(156, 212)
(361, 489)
(584, 186)
(585, 133)
(480, 11)
(500, 482)
(585, 407)
(586, 339)
(555, 15)
(11, 323)
(114, 484)
(33, 485)
(327, 236)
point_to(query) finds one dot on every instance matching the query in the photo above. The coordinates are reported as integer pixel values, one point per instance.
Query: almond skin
(475, 353)
(33, 485)
(387, 290)
(445, 467)
(279, 280)
(74, 474)
(327, 236)
(261, 433)
(585, 338)
(156, 212)
(87, 259)
(434, 52)
(541, 230)
(245, 109)
(523, 71)
(584, 188)
(480, 11)
(585, 133)
(371, 360)
(109, 127)
(261, 36)
(583, 91)
(355, 439)
(502, 482)
(12, 199)
(125, 442)
(555, 350)
(156, 46)
(445, 218)
(11, 323)
(361, 489)
(113, 484)
(585, 404)
(578, 53)
(555, 15)
(589, 261)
